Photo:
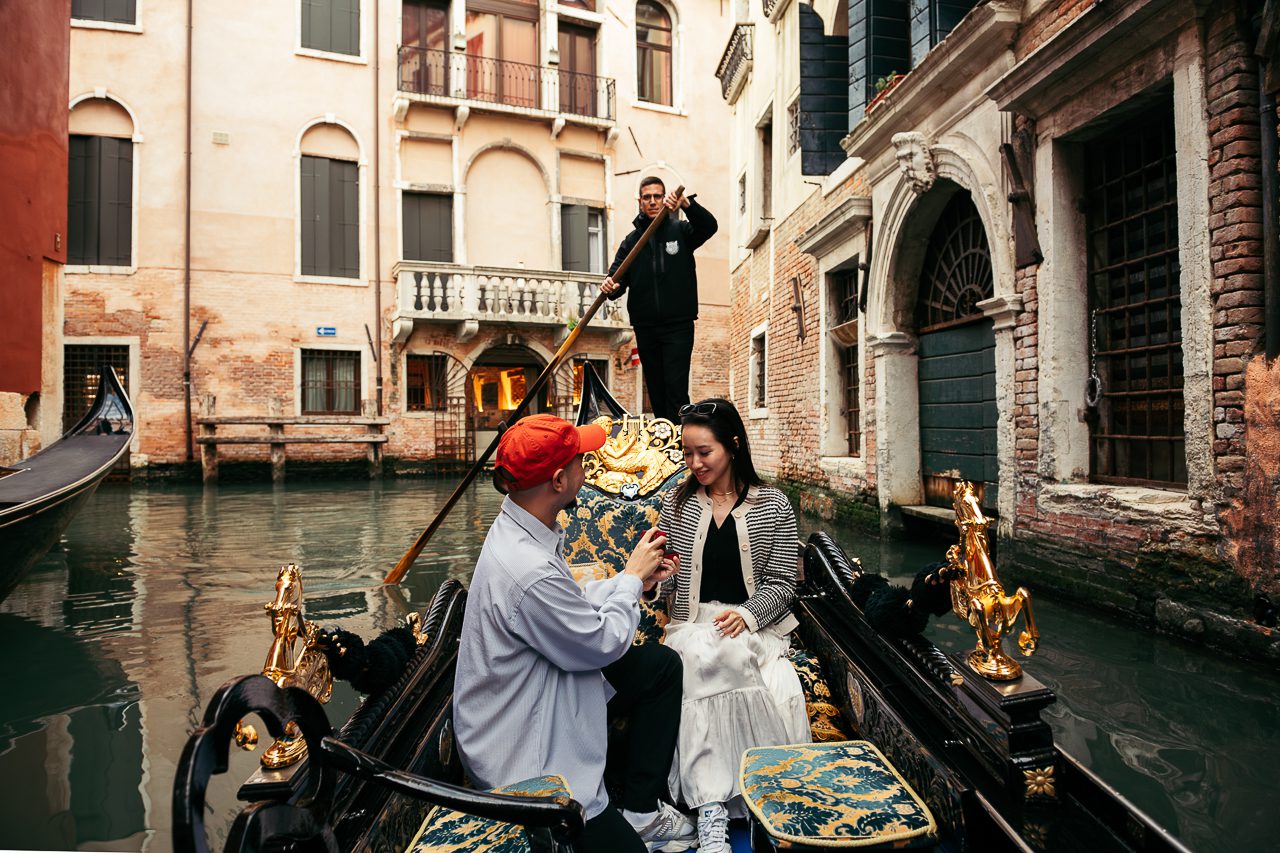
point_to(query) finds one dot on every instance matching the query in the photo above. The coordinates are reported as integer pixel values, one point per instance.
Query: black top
(663, 281)
(721, 565)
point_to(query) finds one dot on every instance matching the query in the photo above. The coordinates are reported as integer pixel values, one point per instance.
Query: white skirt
(738, 693)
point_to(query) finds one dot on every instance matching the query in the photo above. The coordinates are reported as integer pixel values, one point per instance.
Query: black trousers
(649, 681)
(665, 353)
(609, 832)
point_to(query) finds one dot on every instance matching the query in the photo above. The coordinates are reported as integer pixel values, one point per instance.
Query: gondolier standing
(663, 283)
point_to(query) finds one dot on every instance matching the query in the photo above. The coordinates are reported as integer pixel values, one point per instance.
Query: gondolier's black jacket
(663, 279)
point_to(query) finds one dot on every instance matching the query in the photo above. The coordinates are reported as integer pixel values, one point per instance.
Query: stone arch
(322, 136)
(101, 113)
(909, 219)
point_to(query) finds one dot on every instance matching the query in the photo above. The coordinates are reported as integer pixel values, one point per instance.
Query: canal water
(115, 643)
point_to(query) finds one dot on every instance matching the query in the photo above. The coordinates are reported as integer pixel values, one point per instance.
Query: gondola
(39, 496)
(971, 749)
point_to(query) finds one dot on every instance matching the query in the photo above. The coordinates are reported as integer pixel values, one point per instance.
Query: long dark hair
(726, 425)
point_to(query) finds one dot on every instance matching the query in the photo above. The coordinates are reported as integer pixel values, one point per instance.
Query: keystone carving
(915, 160)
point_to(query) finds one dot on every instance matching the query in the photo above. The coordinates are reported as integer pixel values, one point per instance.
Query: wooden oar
(402, 567)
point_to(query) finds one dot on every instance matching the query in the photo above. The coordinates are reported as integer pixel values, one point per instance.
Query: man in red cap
(543, 663)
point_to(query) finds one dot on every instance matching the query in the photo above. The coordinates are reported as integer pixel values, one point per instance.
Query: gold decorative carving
(1040, 782)
(640, 455)
(292, 661)
(978, 597)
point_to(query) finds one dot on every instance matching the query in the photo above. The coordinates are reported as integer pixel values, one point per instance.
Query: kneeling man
(540, 656)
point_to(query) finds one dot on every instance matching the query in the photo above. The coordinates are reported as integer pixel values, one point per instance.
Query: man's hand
(668, 569)
(609, 287)
(730, 624)
(647, 556)
(673, 201)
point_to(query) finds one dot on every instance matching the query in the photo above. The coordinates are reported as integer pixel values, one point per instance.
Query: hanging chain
(1093, 385)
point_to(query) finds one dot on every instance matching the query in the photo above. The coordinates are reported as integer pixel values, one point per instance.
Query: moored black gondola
(39, 496)
(973, 753)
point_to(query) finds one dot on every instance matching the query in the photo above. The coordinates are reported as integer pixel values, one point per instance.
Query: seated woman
(731, 615)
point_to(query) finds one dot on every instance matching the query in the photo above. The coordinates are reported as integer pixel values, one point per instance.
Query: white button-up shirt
(529, 698)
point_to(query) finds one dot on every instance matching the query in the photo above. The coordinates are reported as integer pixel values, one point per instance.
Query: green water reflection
(115, 643)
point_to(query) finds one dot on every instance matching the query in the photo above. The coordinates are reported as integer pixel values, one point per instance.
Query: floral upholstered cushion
(447, 831)
(599, 535)
(833, 795)
(825, 721)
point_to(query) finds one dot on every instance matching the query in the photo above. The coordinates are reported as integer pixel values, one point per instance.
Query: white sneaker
(713, 828)
(670, 831)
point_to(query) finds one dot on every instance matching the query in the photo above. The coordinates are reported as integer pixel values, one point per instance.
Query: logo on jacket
(673, 247)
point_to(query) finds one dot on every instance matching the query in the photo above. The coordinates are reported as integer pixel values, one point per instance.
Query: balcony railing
(735, 63)
(536, 88)
(449, 292)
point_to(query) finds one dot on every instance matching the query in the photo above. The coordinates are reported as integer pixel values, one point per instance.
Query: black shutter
(346, 27)
(316, 28)
(314, 191)
(121, 11)
(89, 10)
(345, 196)
(573, 238)
(116, 240)
(428, 227)
(82, 200)
(879, 45)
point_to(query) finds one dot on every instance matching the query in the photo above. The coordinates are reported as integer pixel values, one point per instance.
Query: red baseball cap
(535, 447)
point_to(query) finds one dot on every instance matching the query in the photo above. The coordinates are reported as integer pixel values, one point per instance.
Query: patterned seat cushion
(825, 721)
(447, 831)
(833, 795)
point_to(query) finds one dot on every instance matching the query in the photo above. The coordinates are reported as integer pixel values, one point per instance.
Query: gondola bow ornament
(978, 597)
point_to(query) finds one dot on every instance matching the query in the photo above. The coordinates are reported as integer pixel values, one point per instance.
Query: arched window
(329, 203)
(100, 184)
(653, 53)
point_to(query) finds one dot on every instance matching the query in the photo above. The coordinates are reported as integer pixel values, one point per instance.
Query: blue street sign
(326, 331)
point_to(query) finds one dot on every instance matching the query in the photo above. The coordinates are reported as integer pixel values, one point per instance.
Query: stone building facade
(1040, 268)
(394, 212)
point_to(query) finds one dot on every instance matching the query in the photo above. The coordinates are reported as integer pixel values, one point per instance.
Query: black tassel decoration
(864, 586)
(931, 590)
(370, 669)
(890, 611)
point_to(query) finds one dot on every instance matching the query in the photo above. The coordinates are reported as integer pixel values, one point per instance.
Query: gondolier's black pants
(665, 353)
(649, 681)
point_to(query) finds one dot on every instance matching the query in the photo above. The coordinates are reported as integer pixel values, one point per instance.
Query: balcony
(454, 79)
(469, 296)
(735, 63)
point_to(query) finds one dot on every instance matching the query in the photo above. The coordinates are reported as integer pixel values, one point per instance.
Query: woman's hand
(665, 571)
(730, 624)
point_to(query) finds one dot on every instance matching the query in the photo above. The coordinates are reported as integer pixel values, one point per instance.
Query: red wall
(35, 41)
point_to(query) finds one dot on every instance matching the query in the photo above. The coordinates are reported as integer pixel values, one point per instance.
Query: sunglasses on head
(696, 409)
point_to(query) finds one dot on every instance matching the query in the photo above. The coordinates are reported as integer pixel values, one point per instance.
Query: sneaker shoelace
(713, 826)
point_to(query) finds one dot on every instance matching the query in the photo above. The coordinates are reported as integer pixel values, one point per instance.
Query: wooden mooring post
(208, 450)
(276, 429)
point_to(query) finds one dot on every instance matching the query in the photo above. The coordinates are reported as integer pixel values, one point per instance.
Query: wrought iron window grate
(82, 369)
(330, 382)
(1134, 300)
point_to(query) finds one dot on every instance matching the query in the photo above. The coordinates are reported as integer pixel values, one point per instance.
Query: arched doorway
(957, 358)
(497, 383)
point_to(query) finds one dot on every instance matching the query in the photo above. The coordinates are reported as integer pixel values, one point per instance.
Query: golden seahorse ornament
(292, 661)
(978, 598)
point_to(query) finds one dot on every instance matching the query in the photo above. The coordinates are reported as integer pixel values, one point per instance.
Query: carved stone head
(915, 160)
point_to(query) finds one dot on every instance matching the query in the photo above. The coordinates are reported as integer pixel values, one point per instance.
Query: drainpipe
(186, 259)
(377, 217)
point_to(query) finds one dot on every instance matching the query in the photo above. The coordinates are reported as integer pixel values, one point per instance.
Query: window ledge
(758, 414)
(418, 416)
(855, 466)
(326, 54)
(77, 23)
(758, 235)
(1141, 504)
(658, 108)
(323, 279)
(96, 269)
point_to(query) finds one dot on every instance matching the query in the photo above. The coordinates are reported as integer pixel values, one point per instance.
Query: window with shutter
(330, 222)
(108, 11)
(331, 25)
(582, 238)
(100, 201)
(428, 227)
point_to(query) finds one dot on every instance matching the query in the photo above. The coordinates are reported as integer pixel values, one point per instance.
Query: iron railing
(468, 77)
(735, 62)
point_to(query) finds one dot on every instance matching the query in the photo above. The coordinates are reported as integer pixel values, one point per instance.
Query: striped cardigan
(768, 546)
